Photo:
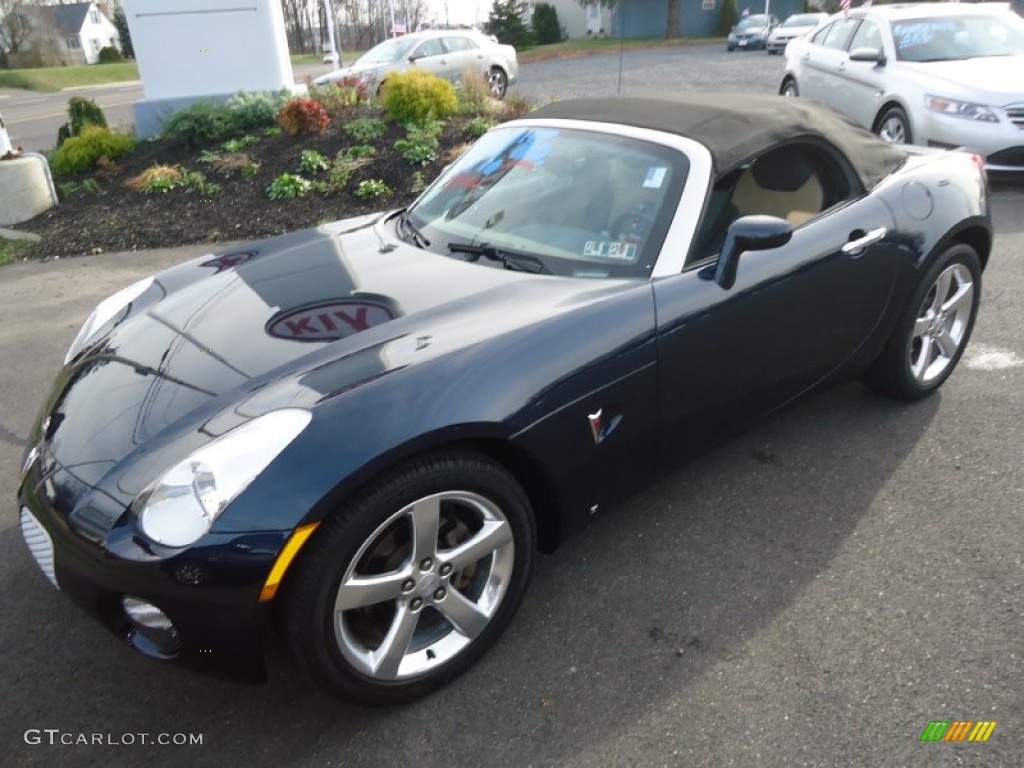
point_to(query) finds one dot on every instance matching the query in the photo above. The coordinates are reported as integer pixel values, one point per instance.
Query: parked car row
(935, 74)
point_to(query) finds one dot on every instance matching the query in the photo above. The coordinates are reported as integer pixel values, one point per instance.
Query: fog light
(152, 632)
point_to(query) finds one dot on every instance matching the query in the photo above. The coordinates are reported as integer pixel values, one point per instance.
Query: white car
(797, 25)
(448, 53)
(934, 74)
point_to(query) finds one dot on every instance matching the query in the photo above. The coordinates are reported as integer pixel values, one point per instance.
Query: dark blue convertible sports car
(359, 434)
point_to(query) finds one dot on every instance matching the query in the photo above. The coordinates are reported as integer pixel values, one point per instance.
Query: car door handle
(805, 57)
(842, 67)
(856, 247)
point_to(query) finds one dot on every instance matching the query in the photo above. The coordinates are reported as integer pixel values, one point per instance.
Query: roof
(926, 10)
(69, 18)
(737, 126)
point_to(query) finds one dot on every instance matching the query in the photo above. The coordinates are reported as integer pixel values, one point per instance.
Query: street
(813, 593)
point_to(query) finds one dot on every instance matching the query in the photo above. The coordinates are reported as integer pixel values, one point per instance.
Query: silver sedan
(448, 53)
(935, 74)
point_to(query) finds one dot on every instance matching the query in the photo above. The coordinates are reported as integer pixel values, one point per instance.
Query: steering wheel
(633, 227)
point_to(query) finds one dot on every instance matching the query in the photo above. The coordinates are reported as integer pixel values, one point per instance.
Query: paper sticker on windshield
(613, 251)
(655, 177)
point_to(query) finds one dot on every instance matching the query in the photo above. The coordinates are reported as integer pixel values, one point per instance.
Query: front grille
(1016, 114)
(39, 544)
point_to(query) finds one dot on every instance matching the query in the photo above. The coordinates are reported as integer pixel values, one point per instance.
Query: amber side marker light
(284, 559)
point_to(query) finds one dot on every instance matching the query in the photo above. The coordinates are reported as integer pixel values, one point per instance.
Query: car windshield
(749, 22)
(387, 52)
(802, 20)
(950, 38)
(574, 202)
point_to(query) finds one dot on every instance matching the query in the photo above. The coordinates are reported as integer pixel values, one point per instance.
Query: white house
(81, 30)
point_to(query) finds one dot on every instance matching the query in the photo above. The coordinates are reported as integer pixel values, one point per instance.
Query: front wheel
(497, 83)
(412, 580)
(789, 88)
(931, 335)
(894, 127)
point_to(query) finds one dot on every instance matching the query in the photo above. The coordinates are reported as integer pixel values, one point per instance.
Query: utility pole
(335, 49)
(5, 140)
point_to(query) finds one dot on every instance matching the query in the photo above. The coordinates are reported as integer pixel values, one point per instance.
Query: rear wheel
(894, 127)
(789, 88)
(411, 581)
(497, 83)
(930, 337)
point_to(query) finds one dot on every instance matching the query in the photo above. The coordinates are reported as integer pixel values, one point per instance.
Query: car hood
(291, 321)
(789, 32)
(981, 80)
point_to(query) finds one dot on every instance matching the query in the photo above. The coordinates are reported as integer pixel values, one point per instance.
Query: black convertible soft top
(737, 126)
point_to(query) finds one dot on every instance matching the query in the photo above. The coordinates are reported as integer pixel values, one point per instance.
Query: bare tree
(15, 27)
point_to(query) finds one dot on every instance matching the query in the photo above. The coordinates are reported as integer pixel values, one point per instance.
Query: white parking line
(987, 357)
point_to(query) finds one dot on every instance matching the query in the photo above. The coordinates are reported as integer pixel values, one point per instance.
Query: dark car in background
(751, 32)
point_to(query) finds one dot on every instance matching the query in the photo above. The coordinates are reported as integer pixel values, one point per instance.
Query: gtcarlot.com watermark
(57, 737)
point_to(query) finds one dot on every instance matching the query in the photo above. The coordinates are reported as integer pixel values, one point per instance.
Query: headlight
(183, 504)
(105, 311)
(965, 109)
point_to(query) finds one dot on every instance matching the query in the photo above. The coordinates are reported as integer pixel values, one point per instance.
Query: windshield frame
(682, 223)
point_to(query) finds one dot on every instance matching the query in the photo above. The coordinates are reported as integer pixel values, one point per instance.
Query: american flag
(399, 27)
(844, 5)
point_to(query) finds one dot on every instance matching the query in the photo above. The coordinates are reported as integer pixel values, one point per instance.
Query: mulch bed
(118, 218)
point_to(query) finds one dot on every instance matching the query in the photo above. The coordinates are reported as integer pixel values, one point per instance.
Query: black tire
(497, 83)
(373, 534)
(789, 87)
(730, 48)
(894, 126)
(893, 373)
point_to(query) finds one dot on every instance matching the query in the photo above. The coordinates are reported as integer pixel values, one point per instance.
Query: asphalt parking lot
(811, 594)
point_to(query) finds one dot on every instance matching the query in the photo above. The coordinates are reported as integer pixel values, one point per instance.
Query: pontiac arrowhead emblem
(595, 425)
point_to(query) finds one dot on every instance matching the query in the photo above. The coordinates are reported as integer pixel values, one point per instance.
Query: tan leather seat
(782, 183)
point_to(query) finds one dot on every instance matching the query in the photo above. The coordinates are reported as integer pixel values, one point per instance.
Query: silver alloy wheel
(893, 129)
(789, 89)
(942, 323)
(497, 83)
(424, 585)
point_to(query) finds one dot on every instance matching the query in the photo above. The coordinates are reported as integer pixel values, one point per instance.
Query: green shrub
(82, 152)
(237, 145)
(358, 150)
(110, 55)
(418, 95)
(274, 130)
(371, 189)
(256, 110)
(313, 162)
(506, 23)
(91, 186)
(335, 97)
(546, 28)
(478, 126)
(156, 180)
(201, 123)
(81, 112)
(366, 129)
(288, 186)
(302, 115)
(419, 182)
(419, 147)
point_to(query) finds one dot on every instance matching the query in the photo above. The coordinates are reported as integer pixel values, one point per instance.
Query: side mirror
(749, 233)
(874, 55)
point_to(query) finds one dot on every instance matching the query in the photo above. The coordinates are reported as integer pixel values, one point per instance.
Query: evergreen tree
(121, 22)
(506, 23)
(545, 24)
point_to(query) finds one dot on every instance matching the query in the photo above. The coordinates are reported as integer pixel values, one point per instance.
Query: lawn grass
(9, 249)
(58, 78)
(585, 46)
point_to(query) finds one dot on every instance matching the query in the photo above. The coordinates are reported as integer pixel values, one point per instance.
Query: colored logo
(958, 730)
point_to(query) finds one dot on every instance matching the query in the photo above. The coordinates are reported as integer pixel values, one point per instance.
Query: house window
(94, 16)
(95, 45)
(73, 43)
